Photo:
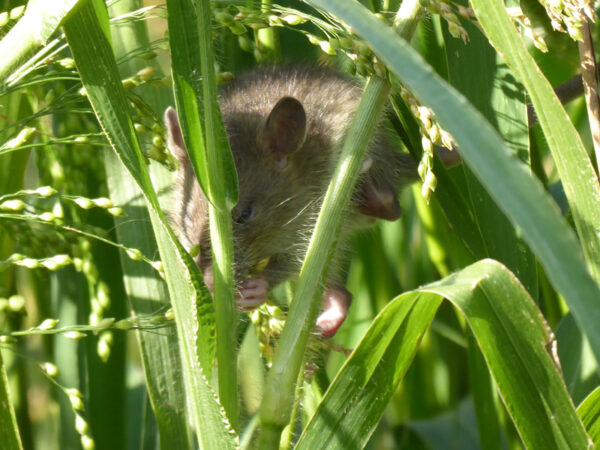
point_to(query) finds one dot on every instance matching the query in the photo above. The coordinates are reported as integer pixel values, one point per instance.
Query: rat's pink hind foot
(251, 294)
(336, 301)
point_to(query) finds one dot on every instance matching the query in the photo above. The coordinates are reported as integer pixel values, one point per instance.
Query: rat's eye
(244, 215)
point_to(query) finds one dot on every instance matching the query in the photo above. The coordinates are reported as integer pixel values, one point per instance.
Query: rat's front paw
(251, 294)
(336, 301)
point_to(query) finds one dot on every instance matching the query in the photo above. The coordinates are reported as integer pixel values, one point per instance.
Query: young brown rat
(286, 126)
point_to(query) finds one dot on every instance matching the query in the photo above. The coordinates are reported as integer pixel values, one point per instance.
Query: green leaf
(360, 392)
(589, 411)
(454, 429)
(484, 398)
(190, 39)
(578, 177)
(493, 91)
(579, 367)
(191, 302)
(512, 336)
(147, 293)
(508, 181)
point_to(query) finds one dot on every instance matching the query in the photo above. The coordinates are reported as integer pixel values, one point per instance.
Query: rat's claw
(251, 294)
(336, 301)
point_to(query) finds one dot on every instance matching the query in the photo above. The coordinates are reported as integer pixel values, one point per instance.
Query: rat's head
(278, 190)
(279, 186)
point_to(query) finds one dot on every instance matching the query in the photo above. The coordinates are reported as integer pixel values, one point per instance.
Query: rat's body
(286, 127)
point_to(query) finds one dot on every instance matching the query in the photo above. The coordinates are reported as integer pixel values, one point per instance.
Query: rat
(286, 127)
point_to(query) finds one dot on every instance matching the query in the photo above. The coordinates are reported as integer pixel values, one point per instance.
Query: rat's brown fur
(280, 195)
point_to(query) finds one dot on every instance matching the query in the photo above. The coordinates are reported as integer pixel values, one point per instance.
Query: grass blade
(589, 411)
(191, 48)
(370, 376)
(491, 89)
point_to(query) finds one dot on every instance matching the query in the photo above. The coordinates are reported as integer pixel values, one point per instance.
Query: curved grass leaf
(360, 392)
(589, 411)
(191, 303)
(509, 182)
(512, 336)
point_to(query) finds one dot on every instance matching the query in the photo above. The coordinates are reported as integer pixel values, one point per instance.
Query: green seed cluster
(523, 22)
(78, 174)
(431, 134)
(450, 12)
(52, 263)
(15, 304)
(24, 136)
(9, 17)
(241, 21)
(76, 400)
(268, 322)
(568, 16)
(145, 121)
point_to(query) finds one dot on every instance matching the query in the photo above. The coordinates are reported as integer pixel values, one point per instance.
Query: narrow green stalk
(147, 293)
(208, 149)
(8, 421)
(279, 394)
(221, 230)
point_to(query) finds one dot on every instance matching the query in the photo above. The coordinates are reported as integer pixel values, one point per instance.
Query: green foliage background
(504, 363)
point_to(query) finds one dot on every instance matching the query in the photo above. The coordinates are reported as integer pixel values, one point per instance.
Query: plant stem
(221, 230)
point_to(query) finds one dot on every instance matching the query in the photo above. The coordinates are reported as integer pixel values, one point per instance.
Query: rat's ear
(285, 129)
(174, 136)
